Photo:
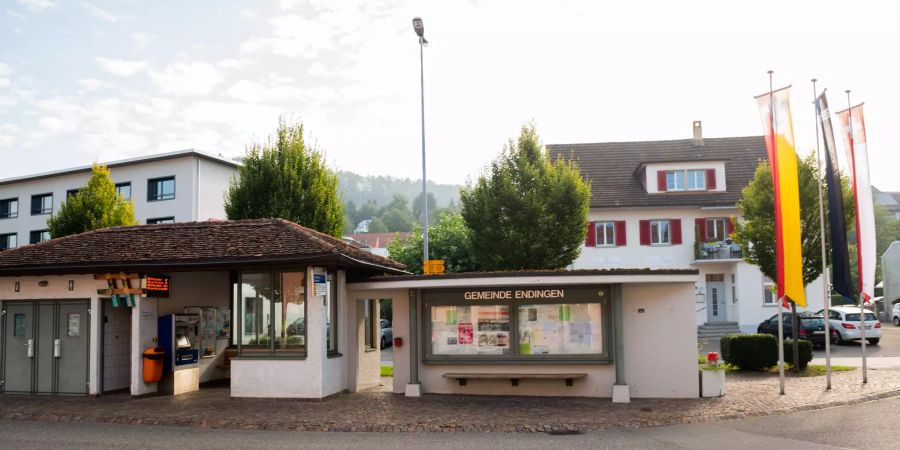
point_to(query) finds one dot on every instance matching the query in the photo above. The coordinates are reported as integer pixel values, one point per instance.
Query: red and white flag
(854, 127)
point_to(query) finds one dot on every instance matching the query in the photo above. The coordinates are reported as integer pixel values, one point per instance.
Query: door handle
(56, 348)
(30, 346)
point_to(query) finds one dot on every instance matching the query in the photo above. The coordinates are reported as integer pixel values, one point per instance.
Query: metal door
(18, 347)
(715, 302)
(70, 348)
(45, 370)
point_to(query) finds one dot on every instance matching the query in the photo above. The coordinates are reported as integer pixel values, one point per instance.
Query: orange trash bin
(153, 364)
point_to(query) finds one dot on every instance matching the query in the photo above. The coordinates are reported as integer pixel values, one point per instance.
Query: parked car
(387, 333)
(812, 327)
(896, 315)
(845, 322)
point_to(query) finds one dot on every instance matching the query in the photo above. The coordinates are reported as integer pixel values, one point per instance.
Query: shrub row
(760, 351)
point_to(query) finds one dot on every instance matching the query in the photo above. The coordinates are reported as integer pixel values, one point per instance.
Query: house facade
(180, 186)
(671, 205)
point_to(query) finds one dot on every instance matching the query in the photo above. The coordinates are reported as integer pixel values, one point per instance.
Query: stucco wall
(214, 179)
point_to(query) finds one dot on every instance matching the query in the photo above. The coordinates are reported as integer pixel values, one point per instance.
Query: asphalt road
(829, 428)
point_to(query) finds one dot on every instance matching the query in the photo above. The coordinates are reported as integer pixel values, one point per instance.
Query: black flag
(840, 259)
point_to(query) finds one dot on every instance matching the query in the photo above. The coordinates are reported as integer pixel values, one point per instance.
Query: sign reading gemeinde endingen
(515, 294)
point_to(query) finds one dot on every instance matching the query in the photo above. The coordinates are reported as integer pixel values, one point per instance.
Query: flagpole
(826, 287)
(859, 262)
(780, 299)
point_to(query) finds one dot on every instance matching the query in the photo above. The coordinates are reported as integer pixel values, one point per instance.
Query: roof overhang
(489, 279)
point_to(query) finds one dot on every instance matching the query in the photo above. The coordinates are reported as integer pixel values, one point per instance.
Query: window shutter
(645, 232)
(661, 181)
(621, 240)
(731, 225)
(701, 229)
(710, 179)
(675, 224)
(591, 239)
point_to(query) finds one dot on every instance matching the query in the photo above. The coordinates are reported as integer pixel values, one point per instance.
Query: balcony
(723, 251)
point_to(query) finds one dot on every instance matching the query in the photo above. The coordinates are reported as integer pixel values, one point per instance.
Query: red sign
(157, 286)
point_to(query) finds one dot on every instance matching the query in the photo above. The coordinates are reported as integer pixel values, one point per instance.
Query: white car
(845, 322)
(896, 315)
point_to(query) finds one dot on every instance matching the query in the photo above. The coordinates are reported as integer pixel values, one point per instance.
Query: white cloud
(253, 92)
(294, 36)
(5, 69)
(233, 63)
(91, 84)
(142, 40)
(120, 67)
(57, 125)
(36, 5)
(98, 13)
(7, 101)
(195, 77)
(4, 82)
(16, 15)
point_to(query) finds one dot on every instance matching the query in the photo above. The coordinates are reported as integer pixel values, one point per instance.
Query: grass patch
(813, 370)
(387, 371)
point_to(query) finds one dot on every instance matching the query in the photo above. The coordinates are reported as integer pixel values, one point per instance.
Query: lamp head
(419, 26)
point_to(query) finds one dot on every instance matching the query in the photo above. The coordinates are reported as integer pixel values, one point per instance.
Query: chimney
(698, 133)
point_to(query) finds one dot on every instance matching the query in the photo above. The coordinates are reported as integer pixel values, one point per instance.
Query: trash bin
(153, 364)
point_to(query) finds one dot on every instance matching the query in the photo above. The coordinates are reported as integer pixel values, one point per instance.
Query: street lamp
(419, 27)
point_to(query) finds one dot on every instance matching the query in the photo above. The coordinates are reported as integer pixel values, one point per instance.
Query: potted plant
(712, 377)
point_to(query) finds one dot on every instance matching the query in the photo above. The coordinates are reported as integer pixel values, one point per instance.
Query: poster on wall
(465, 333)
(223, 323)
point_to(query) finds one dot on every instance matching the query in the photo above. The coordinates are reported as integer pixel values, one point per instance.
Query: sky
(84, 81)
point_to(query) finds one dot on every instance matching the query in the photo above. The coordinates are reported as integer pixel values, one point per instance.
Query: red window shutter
(620, 233)
(731, 226)
(675, 224)
(661, 181)
(710, 179)
(591, 239)
(645, 232)
(701, 229)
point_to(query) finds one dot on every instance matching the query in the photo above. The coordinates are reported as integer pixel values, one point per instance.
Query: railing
(717, 251)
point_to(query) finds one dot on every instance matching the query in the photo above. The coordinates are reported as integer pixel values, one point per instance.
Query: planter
(712, 382)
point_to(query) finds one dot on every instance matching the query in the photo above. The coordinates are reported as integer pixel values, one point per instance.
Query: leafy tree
(525, 211)
(448, 239)
(377, 226)
(396, 219)
(93, 207)
(289, 180)
(418, 205)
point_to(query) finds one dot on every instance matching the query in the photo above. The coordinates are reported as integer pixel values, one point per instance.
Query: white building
(180, 186)
(668, 205)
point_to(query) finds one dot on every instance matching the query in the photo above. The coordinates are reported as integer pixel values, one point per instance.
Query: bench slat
(510, 376)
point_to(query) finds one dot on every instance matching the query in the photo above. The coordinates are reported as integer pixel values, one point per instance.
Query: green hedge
(750, 351)
(806, 352)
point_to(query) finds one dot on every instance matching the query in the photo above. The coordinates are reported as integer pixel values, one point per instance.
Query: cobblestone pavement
(378, 410)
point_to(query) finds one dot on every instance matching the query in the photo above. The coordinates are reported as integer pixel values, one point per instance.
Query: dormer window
(690, 180)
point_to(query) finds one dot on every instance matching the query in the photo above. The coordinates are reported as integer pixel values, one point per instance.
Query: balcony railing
(709, 251)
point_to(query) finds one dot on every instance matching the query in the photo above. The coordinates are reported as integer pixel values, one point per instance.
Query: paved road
(387, 356)
(829, 428)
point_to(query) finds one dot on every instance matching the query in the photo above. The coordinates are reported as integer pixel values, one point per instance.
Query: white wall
(214, 179)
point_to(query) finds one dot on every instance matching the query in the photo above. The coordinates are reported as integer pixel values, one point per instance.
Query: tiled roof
(191, 245)
(377, 240)
(615, 182)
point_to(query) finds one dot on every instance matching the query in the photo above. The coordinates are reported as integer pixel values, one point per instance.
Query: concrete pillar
(621, 393)
(413, 388)
(95, 345)
(144, 333)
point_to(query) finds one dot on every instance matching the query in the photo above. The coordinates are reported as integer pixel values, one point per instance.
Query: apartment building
(179, 186)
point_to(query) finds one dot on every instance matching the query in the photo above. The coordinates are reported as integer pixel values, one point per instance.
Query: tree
(377, 226)
(526, 212)
(289, 180)
(448, 239)
(93, 207)
(418, 205)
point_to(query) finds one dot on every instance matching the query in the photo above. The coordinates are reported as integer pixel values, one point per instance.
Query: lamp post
(419, 27)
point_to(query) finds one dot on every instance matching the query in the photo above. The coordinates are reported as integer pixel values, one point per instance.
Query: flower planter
(712, 382)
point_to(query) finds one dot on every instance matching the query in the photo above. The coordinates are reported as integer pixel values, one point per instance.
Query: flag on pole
(785, 180)
(840, 259)
(853, 123)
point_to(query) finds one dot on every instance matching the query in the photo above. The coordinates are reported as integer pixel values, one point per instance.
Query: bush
(806, 352)
(750, 351)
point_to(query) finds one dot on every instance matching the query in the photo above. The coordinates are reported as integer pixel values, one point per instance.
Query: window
(371, 327)
(8, 241)
(160, 189)
(690, 180)
(517, 324)
(716, 229)
(273, 313)
(124, 189)
(41, 204)
(38, 236)
(72, 192)
(696, 180)
(9, 208)
(769, 293)
(659, 232)
(606, 234)
(675, 180)
(331, 315)
(157, 220)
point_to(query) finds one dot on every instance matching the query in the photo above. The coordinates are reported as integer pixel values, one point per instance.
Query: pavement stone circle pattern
(378, 410)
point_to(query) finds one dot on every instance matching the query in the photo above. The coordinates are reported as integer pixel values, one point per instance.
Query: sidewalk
(872, 362)
(377, 410)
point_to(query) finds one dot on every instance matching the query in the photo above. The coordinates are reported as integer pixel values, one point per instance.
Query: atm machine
(179, 335)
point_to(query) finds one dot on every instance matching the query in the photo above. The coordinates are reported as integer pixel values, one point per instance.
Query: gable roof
(613, 168)
(213, 245)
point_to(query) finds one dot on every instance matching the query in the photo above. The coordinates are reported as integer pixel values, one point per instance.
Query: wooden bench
(514, 378)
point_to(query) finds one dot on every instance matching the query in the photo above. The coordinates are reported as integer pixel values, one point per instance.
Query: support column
(144, 333)
(621, 394)
(413, 388)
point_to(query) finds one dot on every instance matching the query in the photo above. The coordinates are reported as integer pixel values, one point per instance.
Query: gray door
(18, 347)
(45, 329)
(71, 348)
(715, 302)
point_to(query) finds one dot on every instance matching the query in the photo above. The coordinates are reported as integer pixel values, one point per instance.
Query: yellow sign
(434, 266)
